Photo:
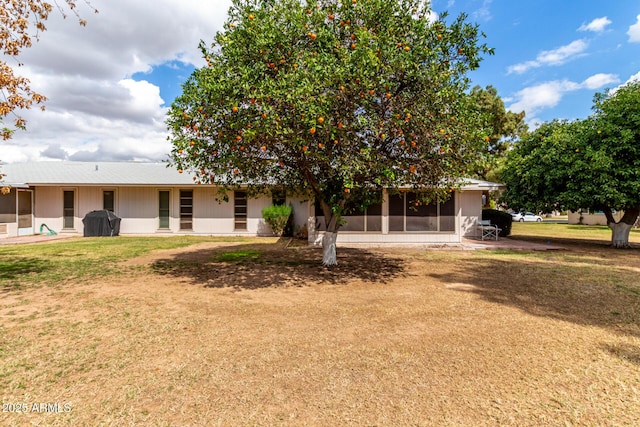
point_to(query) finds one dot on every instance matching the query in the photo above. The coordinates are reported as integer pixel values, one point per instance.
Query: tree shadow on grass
(596, 286)
(627, 352)
(264, 266)
(11, 270)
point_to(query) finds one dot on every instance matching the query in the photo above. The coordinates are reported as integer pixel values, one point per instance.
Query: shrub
(500, 218)
(277, 217)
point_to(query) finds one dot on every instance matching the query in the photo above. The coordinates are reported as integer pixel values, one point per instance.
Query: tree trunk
(620, 230)
(329, 257)
(619, 234)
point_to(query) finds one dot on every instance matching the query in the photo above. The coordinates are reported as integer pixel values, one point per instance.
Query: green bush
(277, 217)
(500, 218)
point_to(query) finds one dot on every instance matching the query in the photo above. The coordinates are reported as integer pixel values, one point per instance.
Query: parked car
(526, 217)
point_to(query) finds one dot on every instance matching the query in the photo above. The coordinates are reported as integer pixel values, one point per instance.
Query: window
(186, 209)
(163, 209)
(278, 197)
(108, 200)
(68, 209)
(240, 210)
(407, 213)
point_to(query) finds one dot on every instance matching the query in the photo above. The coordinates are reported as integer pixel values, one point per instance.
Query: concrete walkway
(504, 243)
(37, 238)
(507, 243)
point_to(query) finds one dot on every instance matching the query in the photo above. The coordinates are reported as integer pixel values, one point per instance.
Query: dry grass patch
(256, 334)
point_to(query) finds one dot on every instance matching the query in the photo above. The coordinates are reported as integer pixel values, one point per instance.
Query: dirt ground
(241, 334)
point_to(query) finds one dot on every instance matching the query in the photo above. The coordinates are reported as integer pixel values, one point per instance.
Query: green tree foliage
(506, 127)
(337, 99)
(592, 163)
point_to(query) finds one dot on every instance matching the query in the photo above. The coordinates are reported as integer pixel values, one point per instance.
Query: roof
(477, 184)
(125, 174)
(93, 173)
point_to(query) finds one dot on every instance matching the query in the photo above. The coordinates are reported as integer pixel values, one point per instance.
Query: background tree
(21, 22)
(506, 127)
(592, 163)
(337, 99)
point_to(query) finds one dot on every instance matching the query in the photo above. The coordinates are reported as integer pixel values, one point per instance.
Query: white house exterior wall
(471, 208)
(136, 188)
(47, 206)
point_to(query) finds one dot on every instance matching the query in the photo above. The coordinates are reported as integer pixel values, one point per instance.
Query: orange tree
(592, 163)
(338, 99)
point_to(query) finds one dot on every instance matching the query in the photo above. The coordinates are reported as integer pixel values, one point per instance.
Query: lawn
(202, 331)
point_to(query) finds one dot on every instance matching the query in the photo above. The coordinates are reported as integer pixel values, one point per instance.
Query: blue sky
(109, 84)
(551, 57)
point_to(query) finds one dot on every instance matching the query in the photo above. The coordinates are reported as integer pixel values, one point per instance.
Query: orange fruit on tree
(320, 120)
(312, 130)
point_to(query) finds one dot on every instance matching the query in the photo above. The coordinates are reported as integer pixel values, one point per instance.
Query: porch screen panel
(68, 209)
(8, 207)
(163, 209)
(374, 217)
(396, 212)
(448, 215)
(354, 220)
(24, 209)
(420, 217)
(186, 209)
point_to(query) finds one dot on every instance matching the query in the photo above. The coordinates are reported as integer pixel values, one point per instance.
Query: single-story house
(591, 217)
(151, 198)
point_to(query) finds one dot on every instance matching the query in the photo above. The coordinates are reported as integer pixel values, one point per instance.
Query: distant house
(153, 199)
(591, 217)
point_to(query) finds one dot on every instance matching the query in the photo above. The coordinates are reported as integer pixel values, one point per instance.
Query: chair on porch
(486, 230)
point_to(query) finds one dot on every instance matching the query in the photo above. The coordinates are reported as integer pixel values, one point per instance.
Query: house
(151, 198)
(591, 217)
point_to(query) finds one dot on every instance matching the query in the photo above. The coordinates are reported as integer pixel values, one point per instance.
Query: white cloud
(484, 12)
(634, 78)
(536, 98)
(598, 81)
(95, 111)
(598, 25)
(558, 56)
(634, 31)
